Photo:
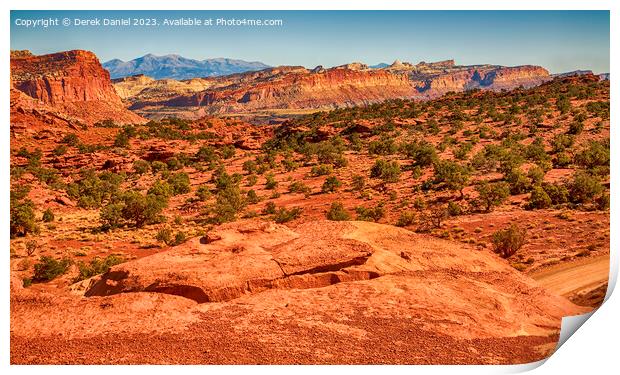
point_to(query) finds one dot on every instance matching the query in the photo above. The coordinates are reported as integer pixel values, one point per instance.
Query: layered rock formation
(294, 88)
(70, 85)
(324, 292)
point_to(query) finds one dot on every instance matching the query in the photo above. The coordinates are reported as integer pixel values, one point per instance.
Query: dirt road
(580, 276)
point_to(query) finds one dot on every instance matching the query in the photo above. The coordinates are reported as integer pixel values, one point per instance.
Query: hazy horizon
(559, 41)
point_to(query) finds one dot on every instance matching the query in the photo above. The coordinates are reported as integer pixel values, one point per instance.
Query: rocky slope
(70, 87)
(179, 67)
(295, 88)
(324, 292)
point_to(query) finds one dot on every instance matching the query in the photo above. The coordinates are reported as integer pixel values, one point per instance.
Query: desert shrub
(97, 266)
(602, 202)
(252, 197)
(111, 215)
(562, 160)
(584, 188)
(383, 146)
(252, 180)
(229, 202)
(161, 188)
(269, 209)
(203, 193)
(451, 175)
(206, 154)
(174, 164)
(228, 151)
(249, 166)
(223, 180)
(331, 184)
(49, 268)
(597, 154)
(558, 193)
(337, 212)
(93, 189)
(507, 242)
(358, 182)
(562, 142)
(48, 216)
(289, 164)
(423, 154)
(575, 128)
(539, 198)
(454, 209)
(299, 187)
(370, 213)
(518, 181)
(159, 166)
(329, 153)
(139, 209)
(321, 170)
(180, 183)
(493, 194)
(283, 215)
(22, 215)
(70, 139)
(141, 166)
(60, 150)
(121, 140)
(270, 182)
(31, 247)
(406, 218)
(536, 175)
(388, 171)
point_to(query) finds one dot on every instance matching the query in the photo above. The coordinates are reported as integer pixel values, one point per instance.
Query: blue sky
(557, 40)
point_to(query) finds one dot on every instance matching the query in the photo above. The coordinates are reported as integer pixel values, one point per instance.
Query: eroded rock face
(342, 86)
(71, 84)
(243, 260)
(323, 292)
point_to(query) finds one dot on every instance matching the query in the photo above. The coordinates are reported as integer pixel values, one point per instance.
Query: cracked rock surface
(323, 292)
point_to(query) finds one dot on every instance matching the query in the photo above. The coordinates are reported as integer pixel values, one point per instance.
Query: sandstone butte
(298, 88)
(66, 88)
(325, 292)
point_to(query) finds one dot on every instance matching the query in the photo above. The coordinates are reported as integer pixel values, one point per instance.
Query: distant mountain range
(179, 67)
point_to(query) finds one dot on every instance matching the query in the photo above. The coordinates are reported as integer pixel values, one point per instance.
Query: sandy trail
(568, 279)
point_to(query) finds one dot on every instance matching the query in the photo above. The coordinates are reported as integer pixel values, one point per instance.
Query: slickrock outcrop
(294, 88)
(324, 292)
(73, 85)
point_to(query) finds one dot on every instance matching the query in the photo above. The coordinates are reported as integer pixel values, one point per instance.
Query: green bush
(321, 170)
(299, 187)
(180, 183)
(493, 194)
(518, 181)
(584, 188)
(331, 184)
(595, 155)
(48, 216)
(252, 197)
(406, 218)
(283, 215)
(270, 182)
(229, 202)
(337, 212)
(161, 188)
(269, 209)
(228, 151)
(388, 171)
(93, 189)
(97, 266)
(508, 241)
(48, 268)
(141, 166)
(22, 217)
(370, 213)
(451, 175)
(539, 198)
(558, 193)
(203, 193)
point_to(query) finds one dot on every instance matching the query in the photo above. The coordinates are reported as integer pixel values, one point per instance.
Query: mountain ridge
(174, 66)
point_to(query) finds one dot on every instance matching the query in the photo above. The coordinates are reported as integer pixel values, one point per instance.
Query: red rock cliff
(73, 83)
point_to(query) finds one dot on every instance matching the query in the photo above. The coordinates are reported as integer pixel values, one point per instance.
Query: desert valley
(407, 213)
